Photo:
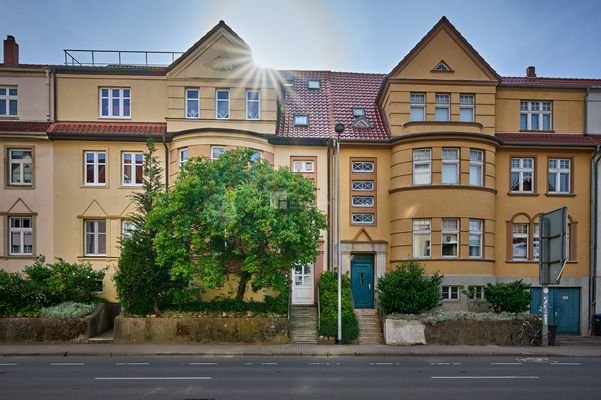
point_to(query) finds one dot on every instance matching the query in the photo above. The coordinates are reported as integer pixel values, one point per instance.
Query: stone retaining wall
(49, 330)
(456, 332)
(201, 330)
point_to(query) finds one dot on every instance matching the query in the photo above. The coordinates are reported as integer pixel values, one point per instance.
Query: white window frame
(363, 167)
(446, 161)
(121, 97)
(96, 236)
(363, 201)
(358, 112)
(418, 231)
(476, 163)
(127, 227)
(557, 171)
(303, 166)
(256, 156)
(8, 99)
(442, 102)
(313, 84)
(521, 171)
(535, 241)
(21, 163)
(449, 292)
(520, 235)
(467, 102)
(218, 100)
(540, 109)
(183, 157)
(447, 231)
(133, 164)
(192, 114)
(301, 120)
(96, 163)
(22, 232)
(417, 101)
(363, 218)
(419, 161)
(213, 148)
(361, 182)
(258, 101)
(476, 232)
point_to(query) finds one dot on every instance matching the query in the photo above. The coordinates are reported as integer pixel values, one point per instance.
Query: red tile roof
(548, 82)
(107, 129)
(23, 126)
(548, 139)
(332, 103)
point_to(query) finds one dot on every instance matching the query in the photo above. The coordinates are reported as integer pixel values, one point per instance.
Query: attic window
(301, 120)
(358, 112)
(442, 67)
(314, 84)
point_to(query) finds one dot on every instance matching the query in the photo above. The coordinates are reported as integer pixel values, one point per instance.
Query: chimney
(11, 52)
(531, 72)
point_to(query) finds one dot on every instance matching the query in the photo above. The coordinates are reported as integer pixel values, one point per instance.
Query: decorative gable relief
(361, 122)
(223, 63)
(442, 67)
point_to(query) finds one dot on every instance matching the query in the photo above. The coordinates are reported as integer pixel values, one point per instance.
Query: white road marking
(507, 363)
(132, 363)
(269, 363)
(66, 364)
(247, 363)
(441, 363)
(203, 363)
(484, 377)
(152, 378)
(565, 363)
(381, 363)
(7, 364)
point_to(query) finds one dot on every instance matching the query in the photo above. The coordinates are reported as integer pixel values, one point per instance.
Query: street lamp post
(339, 128)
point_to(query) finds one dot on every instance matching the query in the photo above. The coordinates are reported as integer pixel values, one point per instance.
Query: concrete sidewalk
(228, 350)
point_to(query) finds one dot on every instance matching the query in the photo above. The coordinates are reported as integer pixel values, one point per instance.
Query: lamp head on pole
(339, 128)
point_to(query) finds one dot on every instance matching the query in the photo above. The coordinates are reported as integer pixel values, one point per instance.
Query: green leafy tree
(142, 284)
(237, 216)
(512, 297)
(409, 290)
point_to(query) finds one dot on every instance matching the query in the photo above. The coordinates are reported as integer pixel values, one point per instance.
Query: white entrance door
(302, 284)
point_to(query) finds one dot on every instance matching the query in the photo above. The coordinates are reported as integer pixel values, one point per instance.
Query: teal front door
(564, 308)
(362, 282)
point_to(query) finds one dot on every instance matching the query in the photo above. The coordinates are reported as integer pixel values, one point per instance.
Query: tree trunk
(244, 278)
(157, 311)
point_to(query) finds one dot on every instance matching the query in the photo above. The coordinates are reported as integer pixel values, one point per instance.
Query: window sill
(9, 117)
(441, 186)
(549, 194)
(19, 187)
(120, 118)
(525, 194)
(131, 187)
(19, 257)
(89, 186)
(443, 123)
(535, 131)
(533, 262)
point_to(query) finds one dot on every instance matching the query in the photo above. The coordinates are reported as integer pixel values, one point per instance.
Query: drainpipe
(593, 241)
(329, 229)
(49, 84)
(166, 163)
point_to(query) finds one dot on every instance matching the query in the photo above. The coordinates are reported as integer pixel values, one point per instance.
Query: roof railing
(107, 58)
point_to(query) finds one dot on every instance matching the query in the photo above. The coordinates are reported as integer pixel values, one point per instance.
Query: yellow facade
(442, 65)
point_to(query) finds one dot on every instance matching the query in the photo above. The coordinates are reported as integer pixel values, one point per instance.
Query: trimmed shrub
(328, 296)
(18, 295)
(511, 297)
(409, 290)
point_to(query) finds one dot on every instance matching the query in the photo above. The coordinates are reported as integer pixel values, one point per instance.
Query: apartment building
(443, 160)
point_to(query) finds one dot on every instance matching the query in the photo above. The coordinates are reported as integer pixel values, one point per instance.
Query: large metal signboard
(553, 246)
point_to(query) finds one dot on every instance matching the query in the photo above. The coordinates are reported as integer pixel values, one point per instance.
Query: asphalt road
(195, 378)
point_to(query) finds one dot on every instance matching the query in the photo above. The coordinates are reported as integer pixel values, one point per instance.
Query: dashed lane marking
(131, 363)
(67, 364)
(202, 363)
(152, 378)
(566, 363)
(485, 377)
(7, 364)
(506, 363)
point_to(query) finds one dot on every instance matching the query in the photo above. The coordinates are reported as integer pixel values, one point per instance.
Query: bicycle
(531, 331)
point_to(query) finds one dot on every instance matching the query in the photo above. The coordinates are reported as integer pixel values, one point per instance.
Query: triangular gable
(362, 236)
(444, 42)
(19, 207)
(128, 210)
(219, 53)
(94, 210)
(442, 66)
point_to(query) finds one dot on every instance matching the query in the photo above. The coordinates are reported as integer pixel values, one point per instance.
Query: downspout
(55, 95)
(593, 241)
(588, 90)
(166, 162)
(329, 230)
(49, 83)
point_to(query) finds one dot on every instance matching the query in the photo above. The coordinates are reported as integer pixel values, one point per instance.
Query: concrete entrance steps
(573, 340)
(370, 331)
(104, 338)
(303, 324)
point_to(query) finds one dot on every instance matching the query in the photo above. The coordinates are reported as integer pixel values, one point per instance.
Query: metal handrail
(318, 309)
(91, 54)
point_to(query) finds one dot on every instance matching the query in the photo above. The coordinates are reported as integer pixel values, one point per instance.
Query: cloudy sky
(561, 38)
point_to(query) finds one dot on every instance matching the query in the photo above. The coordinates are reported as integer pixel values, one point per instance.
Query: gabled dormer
(442, 84)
